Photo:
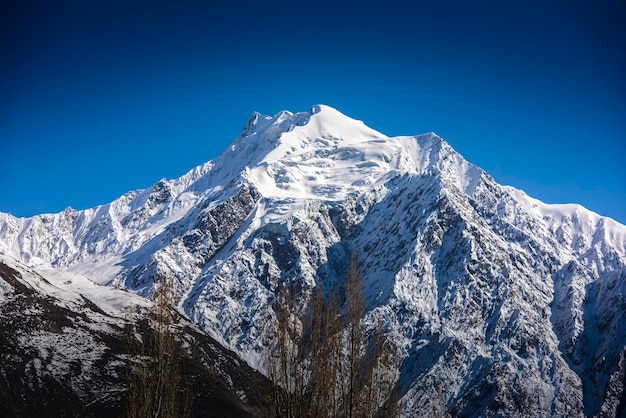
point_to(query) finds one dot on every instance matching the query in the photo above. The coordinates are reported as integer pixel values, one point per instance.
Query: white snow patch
(586, 221)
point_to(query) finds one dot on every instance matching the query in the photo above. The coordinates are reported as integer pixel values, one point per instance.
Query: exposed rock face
(504, 305)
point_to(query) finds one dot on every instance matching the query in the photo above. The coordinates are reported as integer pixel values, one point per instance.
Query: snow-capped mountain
(503, 305)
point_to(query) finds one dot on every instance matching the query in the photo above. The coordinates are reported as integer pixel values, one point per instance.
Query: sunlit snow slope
(502, 304)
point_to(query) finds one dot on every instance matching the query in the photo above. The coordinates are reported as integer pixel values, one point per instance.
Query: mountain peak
(320, 120)
(491, 293)
(327, 121)
(324, 154)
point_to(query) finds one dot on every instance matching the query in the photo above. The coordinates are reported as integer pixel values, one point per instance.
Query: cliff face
(502, 304)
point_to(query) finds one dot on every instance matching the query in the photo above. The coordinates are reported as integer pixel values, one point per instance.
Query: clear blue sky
(98, 97)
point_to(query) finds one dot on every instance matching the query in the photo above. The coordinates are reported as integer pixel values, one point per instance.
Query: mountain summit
(503, 305)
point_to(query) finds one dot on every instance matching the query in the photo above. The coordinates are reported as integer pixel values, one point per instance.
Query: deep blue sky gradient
(102, 97)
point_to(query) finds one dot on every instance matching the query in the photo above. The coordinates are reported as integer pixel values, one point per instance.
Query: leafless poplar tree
(155, 383)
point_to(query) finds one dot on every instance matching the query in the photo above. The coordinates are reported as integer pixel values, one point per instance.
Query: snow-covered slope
(64, 351)
(502, 304)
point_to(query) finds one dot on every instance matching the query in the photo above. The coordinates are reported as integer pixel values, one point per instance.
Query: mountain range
(502, 305)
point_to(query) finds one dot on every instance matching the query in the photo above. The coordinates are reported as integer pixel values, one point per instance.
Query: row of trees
(324, 361)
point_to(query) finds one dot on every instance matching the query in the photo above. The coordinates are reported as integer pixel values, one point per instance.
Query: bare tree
(155, 383)
(286, 367)
(324, 362)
